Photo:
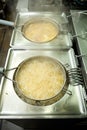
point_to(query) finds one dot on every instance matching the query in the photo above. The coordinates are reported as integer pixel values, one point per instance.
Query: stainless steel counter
(61, 109)
(80, 26)
(67, 107)
(8, 106)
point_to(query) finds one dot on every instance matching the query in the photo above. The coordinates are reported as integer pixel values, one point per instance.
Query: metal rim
(49, 101)
(40, 19)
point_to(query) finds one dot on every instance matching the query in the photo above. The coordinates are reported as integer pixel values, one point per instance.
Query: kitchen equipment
(37, 29)
(40, 87)
(79, 22)
(60, 41)
(70, 105)
(54, 83)
(40, 34)
(40, 30)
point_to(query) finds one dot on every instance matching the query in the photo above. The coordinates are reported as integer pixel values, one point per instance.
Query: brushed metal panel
(11, 106)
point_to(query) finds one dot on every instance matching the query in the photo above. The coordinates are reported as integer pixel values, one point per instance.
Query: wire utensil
(3, 72)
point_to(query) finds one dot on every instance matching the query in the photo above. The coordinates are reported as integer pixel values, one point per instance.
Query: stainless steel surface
(22, 5)
(39, 6)
(11, 106)
(80, 26)
(44, 5)
(62, 41)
